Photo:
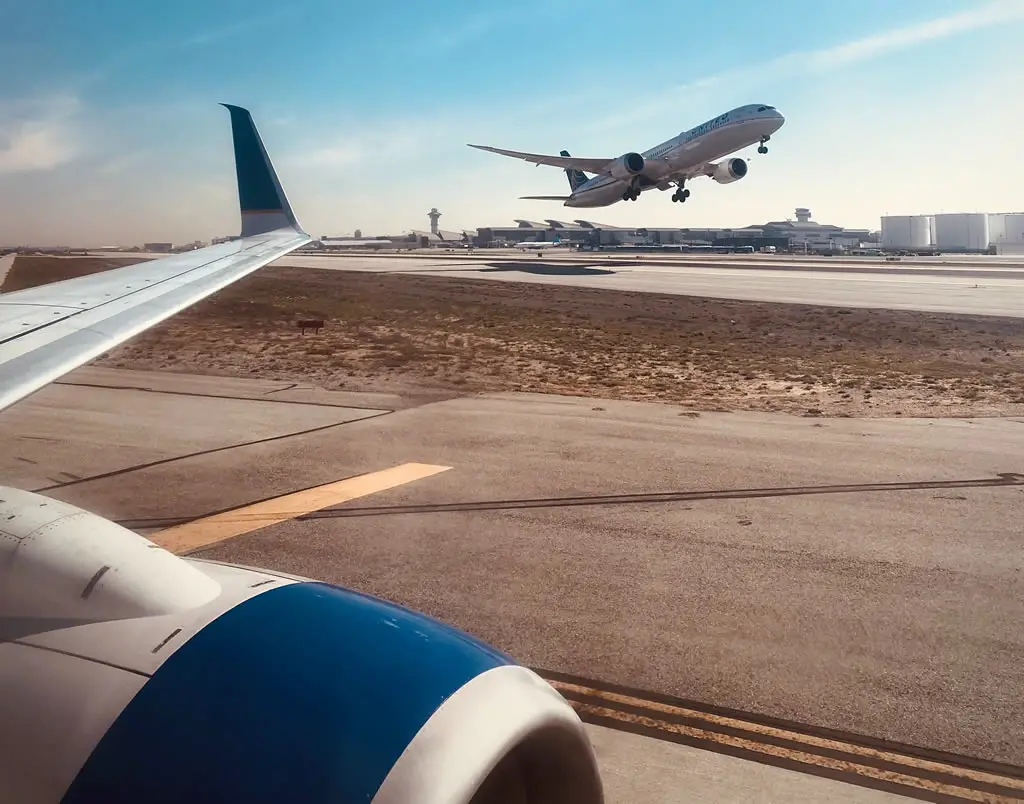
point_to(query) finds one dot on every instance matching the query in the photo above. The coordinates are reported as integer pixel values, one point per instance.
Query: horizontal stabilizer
(544, 197)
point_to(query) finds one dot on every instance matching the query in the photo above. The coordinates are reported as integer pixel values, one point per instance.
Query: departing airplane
(129, 673)
(690, 154)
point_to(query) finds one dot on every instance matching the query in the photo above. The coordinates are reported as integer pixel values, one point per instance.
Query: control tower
(434, 216)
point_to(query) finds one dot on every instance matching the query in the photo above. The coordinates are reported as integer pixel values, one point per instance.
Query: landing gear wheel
(680, 195)
(762, 150)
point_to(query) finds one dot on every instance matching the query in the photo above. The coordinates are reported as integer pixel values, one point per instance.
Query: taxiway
(853, 574)
(992, 287)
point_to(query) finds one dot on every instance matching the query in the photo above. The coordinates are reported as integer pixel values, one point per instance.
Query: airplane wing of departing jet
(565, 162)
(47, 331)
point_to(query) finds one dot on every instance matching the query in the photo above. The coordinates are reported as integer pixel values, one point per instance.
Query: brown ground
(410, 333)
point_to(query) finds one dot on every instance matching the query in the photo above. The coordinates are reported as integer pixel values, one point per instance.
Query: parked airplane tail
(576, 177)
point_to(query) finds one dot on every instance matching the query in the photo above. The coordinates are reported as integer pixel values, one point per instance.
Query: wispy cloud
(985, 16)
(230, 30)
(38, 135)
(465, 29)
(812, 62)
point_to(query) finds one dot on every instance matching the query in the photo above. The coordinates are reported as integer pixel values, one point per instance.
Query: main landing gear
(762, 149)
(681, 194)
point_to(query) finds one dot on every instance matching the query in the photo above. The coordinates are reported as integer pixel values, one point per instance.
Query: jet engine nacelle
(227, 683)
(627, 166)
(730, 170)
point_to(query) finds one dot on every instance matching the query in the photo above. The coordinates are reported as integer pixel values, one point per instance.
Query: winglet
(263, 204)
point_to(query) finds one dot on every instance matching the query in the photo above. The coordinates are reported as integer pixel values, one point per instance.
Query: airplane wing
(47, 331)
(565, 162)
(544, 197)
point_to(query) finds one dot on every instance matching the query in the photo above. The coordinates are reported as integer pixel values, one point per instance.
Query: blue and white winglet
(129, 674)
(47, 331)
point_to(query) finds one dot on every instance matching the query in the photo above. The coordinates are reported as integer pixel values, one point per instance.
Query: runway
(982, 286)
(863, 575)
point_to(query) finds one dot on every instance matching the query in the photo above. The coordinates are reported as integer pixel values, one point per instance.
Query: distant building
(977, 232)
(965, 231)
(159, 248)
(908, 231)
(803, 234)
(434, 216)
(1006, 232)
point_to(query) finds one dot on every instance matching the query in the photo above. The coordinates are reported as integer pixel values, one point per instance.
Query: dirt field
(443, 336)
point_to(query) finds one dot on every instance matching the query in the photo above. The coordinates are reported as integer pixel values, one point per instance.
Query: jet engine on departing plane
(128, 673)
(627, 166)
(730, 170)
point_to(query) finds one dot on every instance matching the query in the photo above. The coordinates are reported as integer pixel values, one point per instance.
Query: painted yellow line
(218, 527)
(810, 740)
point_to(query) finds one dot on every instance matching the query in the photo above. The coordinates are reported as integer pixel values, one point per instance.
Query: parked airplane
(690, 154)
(537, 245)
(128, 673)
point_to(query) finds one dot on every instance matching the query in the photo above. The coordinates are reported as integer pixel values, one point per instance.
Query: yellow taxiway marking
(218, 527)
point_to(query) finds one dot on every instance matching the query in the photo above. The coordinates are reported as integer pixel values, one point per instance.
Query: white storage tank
(906, 231)
(1013, 227)
(962, 231)
(996, 227)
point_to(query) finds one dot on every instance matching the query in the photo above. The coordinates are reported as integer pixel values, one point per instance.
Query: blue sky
(109, 129)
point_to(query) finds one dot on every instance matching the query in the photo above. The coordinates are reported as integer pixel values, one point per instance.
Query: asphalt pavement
(980, 287)
(855, 574)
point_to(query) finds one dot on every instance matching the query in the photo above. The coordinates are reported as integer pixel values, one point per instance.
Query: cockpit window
(762, 108)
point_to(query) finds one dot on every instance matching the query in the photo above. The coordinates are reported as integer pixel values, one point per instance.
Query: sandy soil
(446, 336)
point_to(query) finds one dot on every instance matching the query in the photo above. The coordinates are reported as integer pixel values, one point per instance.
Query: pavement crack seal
(878, 764)
(201, 453)
(1003, 479)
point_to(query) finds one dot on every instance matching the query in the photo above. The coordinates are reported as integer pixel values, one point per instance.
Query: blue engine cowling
(313, 693)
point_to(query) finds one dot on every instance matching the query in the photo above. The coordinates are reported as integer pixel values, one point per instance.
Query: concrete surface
(892, 613)
(993, 288)
(641, 770)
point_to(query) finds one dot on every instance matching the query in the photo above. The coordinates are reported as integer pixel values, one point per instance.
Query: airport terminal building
(801, 235)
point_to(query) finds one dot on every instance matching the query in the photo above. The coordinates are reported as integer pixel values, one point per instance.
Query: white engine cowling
(730, 170)
(627, 166)
(124, 668)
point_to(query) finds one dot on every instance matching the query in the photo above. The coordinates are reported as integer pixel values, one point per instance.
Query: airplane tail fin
(261, 199)
(576, 177)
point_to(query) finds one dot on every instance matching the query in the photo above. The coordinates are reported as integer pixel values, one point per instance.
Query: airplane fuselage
(684, 154)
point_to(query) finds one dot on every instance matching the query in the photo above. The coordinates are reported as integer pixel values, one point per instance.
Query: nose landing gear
(632, 194)
(762, 149)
